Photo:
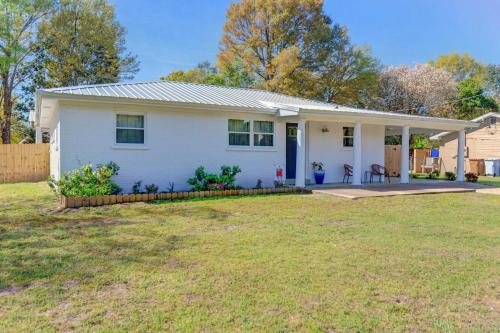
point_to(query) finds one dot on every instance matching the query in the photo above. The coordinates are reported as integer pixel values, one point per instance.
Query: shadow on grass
(88, 245)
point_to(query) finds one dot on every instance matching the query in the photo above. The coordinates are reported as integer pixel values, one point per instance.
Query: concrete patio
(386, 189)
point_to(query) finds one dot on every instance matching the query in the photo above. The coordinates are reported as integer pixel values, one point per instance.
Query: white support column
(300, 166)
(460, 156)
(38, 134)
(405, 155)
(356, 166)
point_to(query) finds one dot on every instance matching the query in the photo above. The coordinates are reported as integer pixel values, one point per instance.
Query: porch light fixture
(325, 130)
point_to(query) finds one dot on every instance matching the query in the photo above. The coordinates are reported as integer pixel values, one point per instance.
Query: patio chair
(378, 170)
(347, 173)
(430, 164)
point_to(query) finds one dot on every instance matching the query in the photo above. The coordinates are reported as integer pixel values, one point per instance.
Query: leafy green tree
(461, 67)
(349, 75)
(231, 75)
(492, 81)
(472, 101)
(78, 42)
(18, 23)
(81, 43)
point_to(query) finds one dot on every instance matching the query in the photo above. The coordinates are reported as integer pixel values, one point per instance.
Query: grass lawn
(492, 181)
(255, 264)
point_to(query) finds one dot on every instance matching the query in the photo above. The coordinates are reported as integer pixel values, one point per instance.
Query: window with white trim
(247, 133)
(348, 137)
(129, 129)
(263, 133)
(239, 132)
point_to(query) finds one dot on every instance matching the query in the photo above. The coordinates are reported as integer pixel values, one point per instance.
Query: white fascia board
(393, 119)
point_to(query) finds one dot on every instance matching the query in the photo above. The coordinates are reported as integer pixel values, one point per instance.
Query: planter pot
(319, 177)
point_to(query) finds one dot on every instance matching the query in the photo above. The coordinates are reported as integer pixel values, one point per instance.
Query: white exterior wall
(328, 148)
(176, 142)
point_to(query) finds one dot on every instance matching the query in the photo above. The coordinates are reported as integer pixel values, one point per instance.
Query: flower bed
(103, 200)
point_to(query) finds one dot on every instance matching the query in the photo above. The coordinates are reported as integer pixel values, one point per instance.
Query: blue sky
(177, 34)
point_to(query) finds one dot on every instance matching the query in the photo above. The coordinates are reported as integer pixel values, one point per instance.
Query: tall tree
(349, 74)
(18, 23)
(492, 81)
(461, 67)
(83, 43)
(421, 90)
(472, 101)
(292, 46)
(278, 41)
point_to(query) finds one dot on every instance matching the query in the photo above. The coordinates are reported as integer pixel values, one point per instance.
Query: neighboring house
(159, 132)
(482, 142)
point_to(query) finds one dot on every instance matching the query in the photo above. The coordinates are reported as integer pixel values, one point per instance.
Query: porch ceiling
(391, 130)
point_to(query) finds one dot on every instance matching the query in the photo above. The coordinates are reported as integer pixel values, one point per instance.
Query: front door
(291, 150)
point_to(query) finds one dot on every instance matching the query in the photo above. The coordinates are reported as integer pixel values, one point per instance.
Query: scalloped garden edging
(104, 200)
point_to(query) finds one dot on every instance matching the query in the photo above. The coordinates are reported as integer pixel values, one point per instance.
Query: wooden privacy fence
(392, 159)
(24, 163)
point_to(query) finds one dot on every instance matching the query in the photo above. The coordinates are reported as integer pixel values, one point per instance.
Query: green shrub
(136, 189)
(471, 177)
(450, 175)
(433, 175)
(152, 188)
(87, 181)
(203, 181)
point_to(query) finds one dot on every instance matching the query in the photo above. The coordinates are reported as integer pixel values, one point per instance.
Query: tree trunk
(7, 113)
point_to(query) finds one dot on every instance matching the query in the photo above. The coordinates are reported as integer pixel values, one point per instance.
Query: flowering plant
(203, 181)
(216, 187)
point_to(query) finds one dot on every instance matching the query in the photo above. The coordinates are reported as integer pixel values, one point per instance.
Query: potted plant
(319, 173)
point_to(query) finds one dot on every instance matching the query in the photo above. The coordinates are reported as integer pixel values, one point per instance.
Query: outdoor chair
(378, 170)
(430, 164)
(347, 173)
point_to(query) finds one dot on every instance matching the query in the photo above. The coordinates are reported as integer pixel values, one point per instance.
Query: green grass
(492, 181)
(257, 264)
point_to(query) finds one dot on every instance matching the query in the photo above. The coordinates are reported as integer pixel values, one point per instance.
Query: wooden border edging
(104, 200)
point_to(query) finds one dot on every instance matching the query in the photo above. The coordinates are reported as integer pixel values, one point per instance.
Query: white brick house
(159, 132)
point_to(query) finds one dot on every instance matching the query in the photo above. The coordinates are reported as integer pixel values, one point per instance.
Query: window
(239, 132)
(129, 129)
(263, 133)
(348, 140)
(257, 133)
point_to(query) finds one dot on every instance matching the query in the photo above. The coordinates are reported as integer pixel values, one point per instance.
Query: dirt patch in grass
(192, 298)
(68, 314)
(10, 290)
(71, 284)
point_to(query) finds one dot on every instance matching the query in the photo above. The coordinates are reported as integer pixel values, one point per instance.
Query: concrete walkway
(383, 190)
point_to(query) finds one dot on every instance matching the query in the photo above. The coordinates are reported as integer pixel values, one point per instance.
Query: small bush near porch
(264, 263)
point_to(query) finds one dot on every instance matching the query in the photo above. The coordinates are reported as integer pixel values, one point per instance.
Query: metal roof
(210, 95)
(475, 120)
(171, 91)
